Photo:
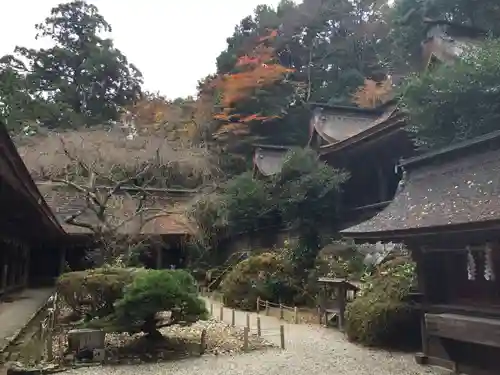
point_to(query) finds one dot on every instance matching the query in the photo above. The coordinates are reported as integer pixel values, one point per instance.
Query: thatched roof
(65, 202)
(44, 154)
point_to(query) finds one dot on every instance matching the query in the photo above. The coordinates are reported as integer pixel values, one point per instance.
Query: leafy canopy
(81, 80)
(458, 102)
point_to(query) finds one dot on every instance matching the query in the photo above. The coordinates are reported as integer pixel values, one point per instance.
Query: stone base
(421, 359)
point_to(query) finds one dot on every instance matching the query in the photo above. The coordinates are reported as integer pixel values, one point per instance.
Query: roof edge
(393, 123)
(429, 22)
(273, 147)
(369, 111)
(487, 142)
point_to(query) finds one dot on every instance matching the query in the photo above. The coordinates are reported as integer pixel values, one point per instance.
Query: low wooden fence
(291, 314)
(219, 311)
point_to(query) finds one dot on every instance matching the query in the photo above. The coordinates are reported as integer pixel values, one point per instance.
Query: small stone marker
(85, 339)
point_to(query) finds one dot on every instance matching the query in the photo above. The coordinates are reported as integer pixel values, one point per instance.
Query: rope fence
(290, 313)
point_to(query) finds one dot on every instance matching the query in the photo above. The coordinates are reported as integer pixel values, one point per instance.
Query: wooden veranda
(29, 233)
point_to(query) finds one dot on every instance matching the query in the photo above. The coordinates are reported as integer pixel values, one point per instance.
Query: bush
(380, 316)
(155, 291)
(265, 276)
(93, 292)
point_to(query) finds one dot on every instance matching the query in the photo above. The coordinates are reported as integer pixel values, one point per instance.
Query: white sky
(173, 43)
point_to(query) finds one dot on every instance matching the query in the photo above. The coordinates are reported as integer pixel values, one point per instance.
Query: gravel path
(308, 350)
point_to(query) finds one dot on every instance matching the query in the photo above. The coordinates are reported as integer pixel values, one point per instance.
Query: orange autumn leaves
(256, 70)
(372, 93)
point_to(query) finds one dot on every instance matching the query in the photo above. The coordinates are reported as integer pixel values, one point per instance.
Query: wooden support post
(282, 336)
(282, 314)
(221, 315)
(5, 277)
(248, 321)
(267, 307)
(342, 302)
(211, 309)
(319, 315)
(26, 267)
(62, 264)
(259, 330)
(258, 304)
(159, 258)
(233, 318)
(203, 341)
(296, 315)
(245, 338)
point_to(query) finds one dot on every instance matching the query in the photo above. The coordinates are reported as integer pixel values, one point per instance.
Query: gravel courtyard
(309, 350)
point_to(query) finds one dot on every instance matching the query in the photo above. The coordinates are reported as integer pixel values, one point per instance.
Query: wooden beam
(483, 331)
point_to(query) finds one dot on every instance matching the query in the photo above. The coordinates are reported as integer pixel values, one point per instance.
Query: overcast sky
(173, 43)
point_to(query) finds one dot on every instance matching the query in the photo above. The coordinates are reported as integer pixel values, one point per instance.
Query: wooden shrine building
(445, 41)
(368, 143)
(163, 231)
(31, 239)
(448, 215)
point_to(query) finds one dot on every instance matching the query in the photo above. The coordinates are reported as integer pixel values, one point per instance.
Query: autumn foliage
(254, 71)
(372, 93)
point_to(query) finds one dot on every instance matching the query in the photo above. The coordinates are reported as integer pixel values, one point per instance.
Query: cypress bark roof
(269, 159)
(455, 186)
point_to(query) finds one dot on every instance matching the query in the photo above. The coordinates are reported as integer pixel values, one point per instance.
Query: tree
(17, 106)
(83, 74)
(328, 49)
(110, 207)
(455, 103)
(308, 192)
(258, 72)
(156, 291)
(373, 94)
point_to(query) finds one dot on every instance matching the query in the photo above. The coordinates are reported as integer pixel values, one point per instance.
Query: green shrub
(265, 276)
(93, 292)
(380, 315)
(155, 291)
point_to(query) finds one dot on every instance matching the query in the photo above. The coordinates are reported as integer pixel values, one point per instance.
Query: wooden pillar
(62, 259)
(159, 258)
(27, 253)
(382, 184)
(11, 270)
(5, 273)
(342, 302)
(418, 256)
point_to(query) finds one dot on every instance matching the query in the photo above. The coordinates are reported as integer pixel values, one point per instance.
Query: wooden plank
(476, 330)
